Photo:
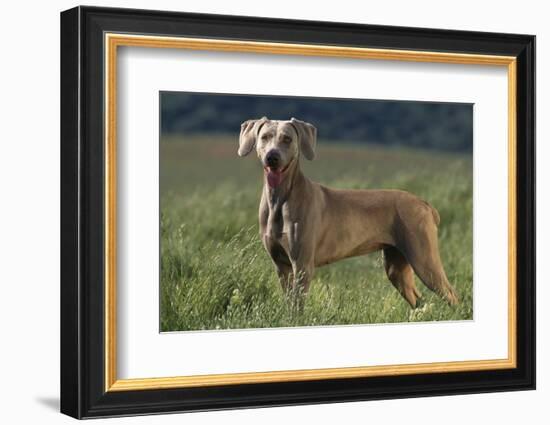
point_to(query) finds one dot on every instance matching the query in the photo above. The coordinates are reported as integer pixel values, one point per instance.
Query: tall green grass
(215, 273)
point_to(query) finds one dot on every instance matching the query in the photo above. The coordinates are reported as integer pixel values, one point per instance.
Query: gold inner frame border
(111, 43)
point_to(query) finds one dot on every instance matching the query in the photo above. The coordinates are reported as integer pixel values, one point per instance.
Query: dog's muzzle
(274, 173)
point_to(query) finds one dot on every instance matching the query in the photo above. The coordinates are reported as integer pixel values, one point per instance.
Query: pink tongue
(274, 177)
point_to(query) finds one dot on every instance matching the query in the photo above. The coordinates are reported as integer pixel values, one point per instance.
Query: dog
(304, 225)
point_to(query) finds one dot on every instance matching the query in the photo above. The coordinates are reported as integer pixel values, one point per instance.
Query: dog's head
(278, 144)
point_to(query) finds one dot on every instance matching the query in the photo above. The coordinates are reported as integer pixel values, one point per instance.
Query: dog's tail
(435, 214)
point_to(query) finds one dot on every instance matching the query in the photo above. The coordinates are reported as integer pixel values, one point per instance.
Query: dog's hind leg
(422, 252)
(401, 275)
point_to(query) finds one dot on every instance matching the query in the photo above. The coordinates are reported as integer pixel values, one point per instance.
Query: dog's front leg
(286, 277)
(301, 258)
(302, 273)
(302, 277)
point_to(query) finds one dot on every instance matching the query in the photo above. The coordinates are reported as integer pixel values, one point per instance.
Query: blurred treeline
(431, 125)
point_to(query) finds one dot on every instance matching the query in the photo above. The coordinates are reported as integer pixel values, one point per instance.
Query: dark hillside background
(430, 125)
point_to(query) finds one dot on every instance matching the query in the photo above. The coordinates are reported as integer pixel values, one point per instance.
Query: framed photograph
(261, 212)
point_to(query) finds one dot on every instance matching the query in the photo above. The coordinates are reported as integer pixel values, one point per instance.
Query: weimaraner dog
(304, 225)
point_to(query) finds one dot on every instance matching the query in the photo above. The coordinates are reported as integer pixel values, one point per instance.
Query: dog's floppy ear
(249, 134)
(307, 134)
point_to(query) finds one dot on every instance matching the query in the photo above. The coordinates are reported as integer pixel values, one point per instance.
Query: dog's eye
(286, 139)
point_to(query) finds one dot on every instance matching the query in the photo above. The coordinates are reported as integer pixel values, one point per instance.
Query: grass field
(215, 273)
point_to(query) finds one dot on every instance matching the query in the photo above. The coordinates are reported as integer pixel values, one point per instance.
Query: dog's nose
(272, 159)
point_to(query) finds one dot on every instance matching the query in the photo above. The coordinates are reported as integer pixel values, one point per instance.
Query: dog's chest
(278, 228)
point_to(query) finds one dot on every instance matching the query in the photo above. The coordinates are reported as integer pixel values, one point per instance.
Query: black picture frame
(83, 392)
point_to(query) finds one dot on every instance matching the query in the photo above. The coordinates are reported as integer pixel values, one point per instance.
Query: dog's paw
(419, 313)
